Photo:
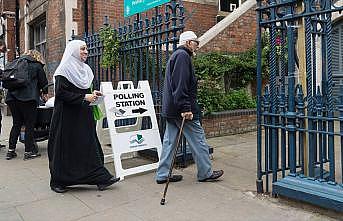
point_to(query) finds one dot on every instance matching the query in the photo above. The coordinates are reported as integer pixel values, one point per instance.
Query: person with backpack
(28, 80)
(3, 49)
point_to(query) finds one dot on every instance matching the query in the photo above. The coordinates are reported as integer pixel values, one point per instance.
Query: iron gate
(300, 123)
(146, 42)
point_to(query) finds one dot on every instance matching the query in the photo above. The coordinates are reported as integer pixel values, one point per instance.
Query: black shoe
(173, 178)
(111, 181)
(35, 148)
(2, 146)
(31, 155)
(10, 155)
(215, 175)
(59, 189)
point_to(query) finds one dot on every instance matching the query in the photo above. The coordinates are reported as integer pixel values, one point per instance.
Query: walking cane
(163, 200)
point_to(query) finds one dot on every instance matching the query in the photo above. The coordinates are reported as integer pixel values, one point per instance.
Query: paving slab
(112, 214)
(25, 194)
(59, 207)
(10, 214)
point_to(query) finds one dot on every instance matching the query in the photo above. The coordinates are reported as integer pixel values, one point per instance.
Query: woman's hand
(91, 97)
(97, 93)
(45, 97)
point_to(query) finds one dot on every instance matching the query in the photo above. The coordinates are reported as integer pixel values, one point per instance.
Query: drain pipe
(92, 15)
(85, 12)
(17, 29)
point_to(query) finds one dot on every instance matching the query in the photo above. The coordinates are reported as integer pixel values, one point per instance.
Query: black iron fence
(146, 41)
(300, 139)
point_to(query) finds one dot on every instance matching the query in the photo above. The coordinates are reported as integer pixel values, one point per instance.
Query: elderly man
(179, 100)
(3, 49)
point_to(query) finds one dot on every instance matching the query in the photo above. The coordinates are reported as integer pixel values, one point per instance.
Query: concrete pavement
(25, 193)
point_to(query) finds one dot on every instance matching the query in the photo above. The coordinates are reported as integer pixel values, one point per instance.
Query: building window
(337, 58)
(228, 5)
(38, 36)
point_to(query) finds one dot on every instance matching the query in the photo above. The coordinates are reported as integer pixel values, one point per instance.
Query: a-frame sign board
(125, 108)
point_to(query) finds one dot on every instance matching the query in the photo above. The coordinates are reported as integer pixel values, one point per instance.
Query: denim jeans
(195, 137)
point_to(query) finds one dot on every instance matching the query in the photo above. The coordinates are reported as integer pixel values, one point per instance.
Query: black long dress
(75, 154)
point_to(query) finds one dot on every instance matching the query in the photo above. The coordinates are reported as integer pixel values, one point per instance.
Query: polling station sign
(132, 7)
(126, 110)
(129, 103)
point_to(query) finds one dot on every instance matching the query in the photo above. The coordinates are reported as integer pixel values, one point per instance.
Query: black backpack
(15, 74)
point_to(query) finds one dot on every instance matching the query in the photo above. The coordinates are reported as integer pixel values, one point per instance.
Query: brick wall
(96, 14)
(11, 38)
(229, 122)
(55, 23)
(22, 25)
(55, 34)
(237, 37)
(9, 6)
(112, 8)
(198, 17)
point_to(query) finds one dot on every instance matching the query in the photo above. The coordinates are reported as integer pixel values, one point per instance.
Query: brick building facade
(7, 29)
(47, 25)
(237, 37)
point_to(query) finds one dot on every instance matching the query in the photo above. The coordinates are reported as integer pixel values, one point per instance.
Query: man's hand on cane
(187, 115)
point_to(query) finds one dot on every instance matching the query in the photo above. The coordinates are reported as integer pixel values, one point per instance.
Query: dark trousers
(23, 113)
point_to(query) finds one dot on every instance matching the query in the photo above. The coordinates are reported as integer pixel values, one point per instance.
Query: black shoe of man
(215, 175)
(173, 178)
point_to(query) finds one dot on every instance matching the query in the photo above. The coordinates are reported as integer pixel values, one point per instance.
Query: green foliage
(110, 54)
(266, 49)
(215, 100)
(211, 96)
(232, 70)
(222, 77)
(239, 99)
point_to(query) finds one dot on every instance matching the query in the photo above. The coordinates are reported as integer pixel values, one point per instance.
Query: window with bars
(337, 58)
(337, 52)
(228, 5)
(38, 36)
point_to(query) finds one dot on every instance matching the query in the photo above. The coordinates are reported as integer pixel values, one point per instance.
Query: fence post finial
(72, 35)
(106, 22)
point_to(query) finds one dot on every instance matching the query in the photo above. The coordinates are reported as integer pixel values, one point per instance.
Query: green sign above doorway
(132, 7)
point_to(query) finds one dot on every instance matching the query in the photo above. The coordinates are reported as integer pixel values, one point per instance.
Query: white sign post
(125, 109)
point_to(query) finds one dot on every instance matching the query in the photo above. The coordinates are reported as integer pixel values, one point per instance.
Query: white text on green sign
(132, 7)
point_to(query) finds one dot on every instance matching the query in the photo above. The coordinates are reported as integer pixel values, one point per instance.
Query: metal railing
(145, 44)
(298, 135)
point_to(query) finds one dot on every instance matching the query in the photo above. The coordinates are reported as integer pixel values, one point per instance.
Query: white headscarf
(73, 68)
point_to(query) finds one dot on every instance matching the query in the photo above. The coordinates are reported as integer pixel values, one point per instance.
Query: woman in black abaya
(75, 154)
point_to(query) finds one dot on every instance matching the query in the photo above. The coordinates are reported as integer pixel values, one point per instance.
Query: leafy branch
(110, 42)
